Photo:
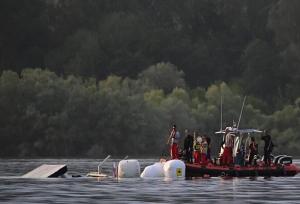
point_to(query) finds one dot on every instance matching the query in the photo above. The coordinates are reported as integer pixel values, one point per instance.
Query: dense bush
(46, 115)
(251, 43)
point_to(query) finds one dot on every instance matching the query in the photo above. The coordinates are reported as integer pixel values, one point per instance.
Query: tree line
(43, 114)
(252, 44)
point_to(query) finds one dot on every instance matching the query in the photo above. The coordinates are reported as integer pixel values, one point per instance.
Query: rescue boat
(212, 170)
(281, 165)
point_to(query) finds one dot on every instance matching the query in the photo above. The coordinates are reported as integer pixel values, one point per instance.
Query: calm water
(14, 189)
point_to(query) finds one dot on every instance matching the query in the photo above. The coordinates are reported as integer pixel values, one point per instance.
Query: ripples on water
(14, 189)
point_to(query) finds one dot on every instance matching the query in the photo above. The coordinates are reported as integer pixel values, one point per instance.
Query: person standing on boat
(226, 158)
(197, 150)
(208, 154)
(204, 148)
(174, 138)
(188, 147)
(239, 158)
(253, 150)
(268, 148)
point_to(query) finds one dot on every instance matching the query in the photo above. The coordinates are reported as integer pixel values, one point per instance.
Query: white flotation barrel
(129, 168)
(174, 169)
(153, 171)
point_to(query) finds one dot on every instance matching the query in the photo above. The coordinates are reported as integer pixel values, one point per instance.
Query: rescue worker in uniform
(174, 138)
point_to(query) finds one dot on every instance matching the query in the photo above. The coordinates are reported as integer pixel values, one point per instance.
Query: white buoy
(129, 168)
(174, 169)
(154, 171)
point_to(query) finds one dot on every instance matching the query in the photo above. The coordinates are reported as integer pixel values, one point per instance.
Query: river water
(14, 189)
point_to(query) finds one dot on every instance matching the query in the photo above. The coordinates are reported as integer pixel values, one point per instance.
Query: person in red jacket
(174, 138)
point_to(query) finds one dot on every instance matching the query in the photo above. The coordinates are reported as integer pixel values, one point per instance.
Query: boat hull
(198, 170)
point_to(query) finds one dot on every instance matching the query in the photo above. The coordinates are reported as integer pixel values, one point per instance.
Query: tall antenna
(221, 112)
(241, 113)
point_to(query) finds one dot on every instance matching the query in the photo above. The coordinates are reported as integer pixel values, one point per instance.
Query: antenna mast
(241, 113)
(221, 112)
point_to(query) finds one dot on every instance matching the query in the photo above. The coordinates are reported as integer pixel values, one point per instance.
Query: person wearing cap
(174, 138)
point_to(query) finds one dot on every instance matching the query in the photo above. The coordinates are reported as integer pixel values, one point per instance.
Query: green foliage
(109, 78)
(163, 76)
(284, 18)
(262, 72)
(47, 115)
(253, 44)
(154, 97)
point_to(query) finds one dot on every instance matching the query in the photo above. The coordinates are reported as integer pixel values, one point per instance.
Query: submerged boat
(281, 165)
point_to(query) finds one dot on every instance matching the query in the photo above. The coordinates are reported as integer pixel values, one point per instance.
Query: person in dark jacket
(268, 148)
(188, 147)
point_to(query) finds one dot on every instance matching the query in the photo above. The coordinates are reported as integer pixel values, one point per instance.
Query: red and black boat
(281, 165)
(198, 170)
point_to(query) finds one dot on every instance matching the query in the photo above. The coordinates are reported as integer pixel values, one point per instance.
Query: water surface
(14, 189)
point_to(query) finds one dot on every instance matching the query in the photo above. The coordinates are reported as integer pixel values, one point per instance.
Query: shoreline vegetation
(91, 78)
(47, 115)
